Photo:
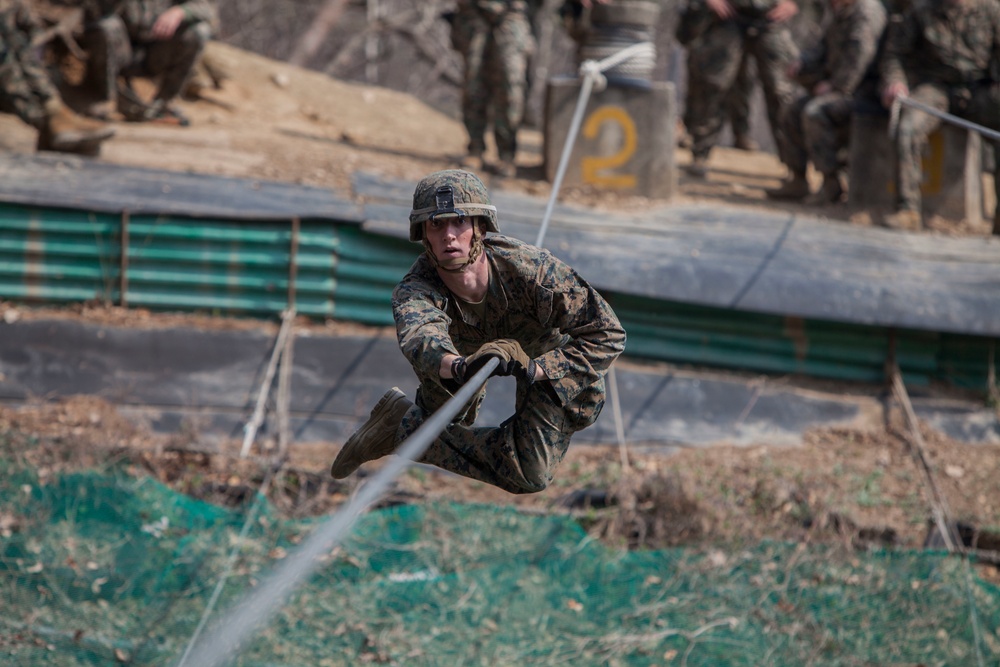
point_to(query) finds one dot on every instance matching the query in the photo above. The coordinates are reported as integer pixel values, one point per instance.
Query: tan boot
(506, 168)
(795, 188)
(376, 438)
(905, 219)
(472, 162)
(67, 132)
(831, 192)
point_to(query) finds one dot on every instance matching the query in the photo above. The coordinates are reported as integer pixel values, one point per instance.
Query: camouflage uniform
(561, 322)
(118, 40)
(714, 62)
(817, 127)
(25, 88)
(947, 52)
(495, 40)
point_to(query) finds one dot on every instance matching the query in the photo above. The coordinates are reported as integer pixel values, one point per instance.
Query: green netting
(102, 568)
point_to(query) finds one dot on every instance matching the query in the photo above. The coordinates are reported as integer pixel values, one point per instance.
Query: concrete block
(625, 142)
(952, 168)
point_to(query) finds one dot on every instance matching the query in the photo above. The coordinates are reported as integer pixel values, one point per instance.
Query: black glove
(513, 361)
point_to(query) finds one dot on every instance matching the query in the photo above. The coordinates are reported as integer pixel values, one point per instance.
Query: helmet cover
(451, 192)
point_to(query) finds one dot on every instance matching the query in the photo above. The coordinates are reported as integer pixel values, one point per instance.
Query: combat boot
(698, 167)
(743, 142)
(472, 162)
(376, 438)
(904, 219)
(830, 192)
(795, 188)
(67, 132)
(506, 168)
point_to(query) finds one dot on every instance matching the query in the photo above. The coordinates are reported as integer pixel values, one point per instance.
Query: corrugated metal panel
(342, 272)
(698, 335)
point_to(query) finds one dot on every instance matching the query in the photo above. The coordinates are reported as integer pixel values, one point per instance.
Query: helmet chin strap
(475, 250)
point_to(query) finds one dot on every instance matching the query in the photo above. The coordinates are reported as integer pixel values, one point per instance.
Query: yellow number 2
(594, 167)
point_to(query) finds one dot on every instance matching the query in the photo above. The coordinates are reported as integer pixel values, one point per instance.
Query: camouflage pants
(494, 86)
(522, 453)
(738, 99)
(25, 88)
(113, 52)
(980, 106)
(817, 129)
(714, 64)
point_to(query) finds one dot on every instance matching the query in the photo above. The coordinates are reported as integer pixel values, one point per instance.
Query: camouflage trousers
(714, 63)
(738, 99)
(114, 52)
(520, 455)
(494, 87)
(817, 129)
(25, 88)
(980, 105)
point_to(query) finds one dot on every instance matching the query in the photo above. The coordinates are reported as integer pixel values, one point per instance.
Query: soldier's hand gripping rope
(512, 361)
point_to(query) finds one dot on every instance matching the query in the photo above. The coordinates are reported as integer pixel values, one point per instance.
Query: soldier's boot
(797, 187)
(905, 219)
(506, 168)
(698, 167)
(744, 143)
(67, 132)
(831, 192)
(472, 162)
(376, 438)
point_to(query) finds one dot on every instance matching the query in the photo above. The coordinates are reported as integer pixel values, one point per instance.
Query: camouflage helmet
(451, 192)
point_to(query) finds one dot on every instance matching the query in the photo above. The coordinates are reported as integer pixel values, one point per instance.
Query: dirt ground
(273, 121)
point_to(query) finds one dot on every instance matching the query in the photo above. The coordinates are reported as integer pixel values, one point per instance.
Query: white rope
(591, 74)
(943, 115)
(228, 638)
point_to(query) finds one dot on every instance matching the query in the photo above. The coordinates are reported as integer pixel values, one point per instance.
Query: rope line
(943, 115)
(229, 637)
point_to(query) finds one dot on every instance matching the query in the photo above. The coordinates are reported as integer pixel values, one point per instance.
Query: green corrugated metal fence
(339, 271)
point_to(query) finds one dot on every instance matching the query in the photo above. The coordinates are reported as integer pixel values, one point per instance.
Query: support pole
(123, 268)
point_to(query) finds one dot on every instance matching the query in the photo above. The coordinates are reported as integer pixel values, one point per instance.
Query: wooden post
(123, 269)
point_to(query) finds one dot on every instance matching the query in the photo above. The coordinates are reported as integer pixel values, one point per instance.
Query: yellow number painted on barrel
(595, 168)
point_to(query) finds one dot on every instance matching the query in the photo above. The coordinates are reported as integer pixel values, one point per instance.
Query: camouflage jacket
(560, 321)
(948, 42)
(847, 54)
(140, 15)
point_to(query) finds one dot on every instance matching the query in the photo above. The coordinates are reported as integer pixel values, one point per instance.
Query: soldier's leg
(983, 109)
(174, 59)
(738, 104)
(826, 122)
(773, 49)
(25, 90)
(514, 44)
(713, 64)
(911, 138)
(518, 456)
(796, 155)
(475, 92)
(109, 53)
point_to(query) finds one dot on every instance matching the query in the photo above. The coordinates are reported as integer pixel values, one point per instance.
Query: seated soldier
(842, 69)
(27, 92)
(157, 38)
